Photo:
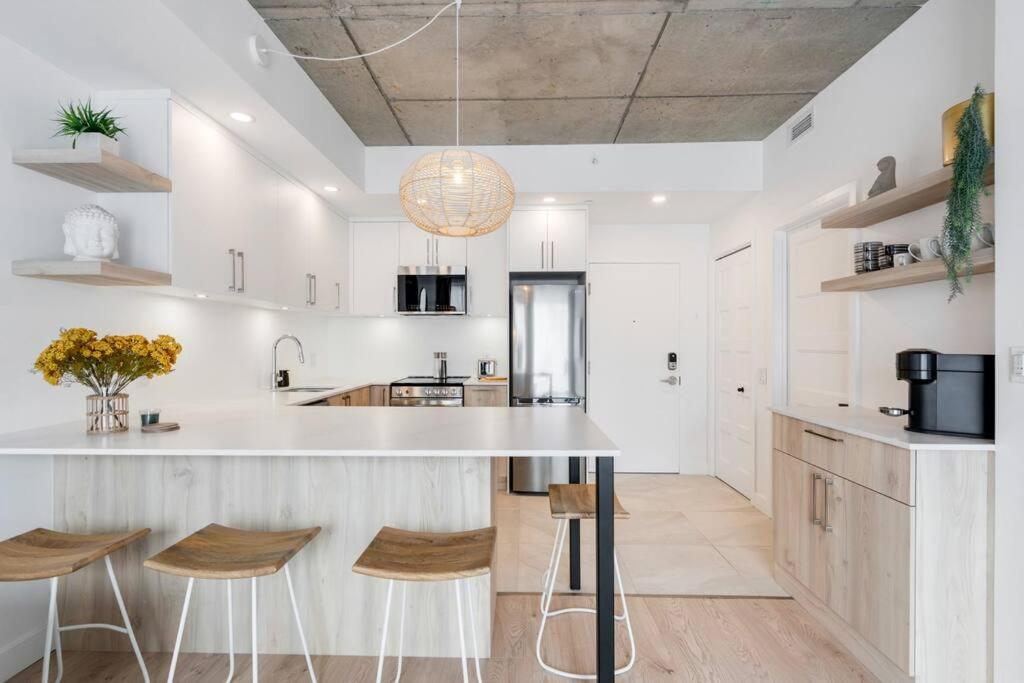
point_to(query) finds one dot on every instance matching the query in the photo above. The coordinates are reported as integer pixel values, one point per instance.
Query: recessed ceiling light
(241, 117)
(549, 200)
(200, 296)
(330, 188)
(659, 199)
(284, 308)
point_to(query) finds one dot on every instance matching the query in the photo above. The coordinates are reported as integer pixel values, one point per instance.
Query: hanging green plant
(963, 208)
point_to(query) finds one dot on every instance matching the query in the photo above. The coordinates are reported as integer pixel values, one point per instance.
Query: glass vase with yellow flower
(106, 365)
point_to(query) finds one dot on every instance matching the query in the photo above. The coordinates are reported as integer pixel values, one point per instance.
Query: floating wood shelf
(100, 273)
(924, 191)
(916, 273)
(92, 169)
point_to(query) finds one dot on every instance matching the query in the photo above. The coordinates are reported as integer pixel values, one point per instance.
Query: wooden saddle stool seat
(571, 502)
(225, 553)
(407, 556)
(47, 554)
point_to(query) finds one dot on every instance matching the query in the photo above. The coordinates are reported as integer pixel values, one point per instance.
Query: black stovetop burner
(417, 381)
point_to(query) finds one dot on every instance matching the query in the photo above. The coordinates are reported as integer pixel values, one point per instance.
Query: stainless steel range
(428, 391)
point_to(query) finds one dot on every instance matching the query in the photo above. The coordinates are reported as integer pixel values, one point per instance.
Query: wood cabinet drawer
(356, 397)
(880, 467)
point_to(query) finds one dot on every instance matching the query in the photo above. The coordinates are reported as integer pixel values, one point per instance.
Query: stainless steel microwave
(431, 290)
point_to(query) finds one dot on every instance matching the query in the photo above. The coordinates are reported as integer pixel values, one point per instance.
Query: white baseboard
(762, 503)
(21, 653)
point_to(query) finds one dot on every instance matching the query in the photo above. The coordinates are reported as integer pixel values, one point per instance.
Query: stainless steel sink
(311, 390)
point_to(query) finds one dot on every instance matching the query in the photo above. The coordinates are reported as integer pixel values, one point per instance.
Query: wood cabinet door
(528, 241)
(791, 509)
(374, 268)
(567, 240)
(487, 273)
(879, 541)
(487, 397)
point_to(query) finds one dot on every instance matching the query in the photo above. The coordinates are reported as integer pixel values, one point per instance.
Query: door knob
(741, 389)
(671, 380)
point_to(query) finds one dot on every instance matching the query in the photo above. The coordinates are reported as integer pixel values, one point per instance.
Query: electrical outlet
(762, 375)
(1017, 363)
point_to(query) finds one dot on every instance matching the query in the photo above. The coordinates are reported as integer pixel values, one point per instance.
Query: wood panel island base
(348, 471)
(884, 536)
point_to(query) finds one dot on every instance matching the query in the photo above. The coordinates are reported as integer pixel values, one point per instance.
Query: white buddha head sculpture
(90, 234)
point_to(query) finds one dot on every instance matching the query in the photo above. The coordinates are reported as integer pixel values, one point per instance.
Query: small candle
(149, 417)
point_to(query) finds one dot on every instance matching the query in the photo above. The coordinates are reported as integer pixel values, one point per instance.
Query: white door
(449, 251)
(527, 241)
(374, 268)
(567, 240)
(416, 246)
(734, 382)
(819, 323)
(487, 272)
(633, 314)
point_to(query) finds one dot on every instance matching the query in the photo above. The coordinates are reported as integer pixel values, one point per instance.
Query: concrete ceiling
(580, 71)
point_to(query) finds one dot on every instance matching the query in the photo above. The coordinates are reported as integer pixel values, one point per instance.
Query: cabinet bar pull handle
(822, 436)
(394, 294)
(313, 277)
(428, 251)
(241, 262)
(828, 524)
(337, 286)
(551, 261)
(437, 256)
(309, 289)
(231, 287)
(542, 253)
(815, 517)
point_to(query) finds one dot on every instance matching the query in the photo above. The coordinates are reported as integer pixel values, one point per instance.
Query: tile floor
(688, 535)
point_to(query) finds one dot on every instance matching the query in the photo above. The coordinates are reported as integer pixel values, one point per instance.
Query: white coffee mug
(900, 260)
(926, 249)
(985, 238)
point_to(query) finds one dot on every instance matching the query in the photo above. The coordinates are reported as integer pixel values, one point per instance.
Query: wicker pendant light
(457, 192)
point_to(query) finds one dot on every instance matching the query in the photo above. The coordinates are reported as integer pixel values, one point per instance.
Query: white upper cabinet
(420, 248)
(527, 240)
(548, 240)
(567, 240)
(293, 236)
(375, 260)
(487, 273)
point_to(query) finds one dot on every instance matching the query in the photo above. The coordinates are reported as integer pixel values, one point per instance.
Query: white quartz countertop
(272, 425)
(873, 425)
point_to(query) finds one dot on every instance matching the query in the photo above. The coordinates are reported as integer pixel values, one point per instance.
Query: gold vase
(951, 117)
(106, 414)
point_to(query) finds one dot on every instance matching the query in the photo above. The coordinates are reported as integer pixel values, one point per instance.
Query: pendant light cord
(455, 3)
(458, 76)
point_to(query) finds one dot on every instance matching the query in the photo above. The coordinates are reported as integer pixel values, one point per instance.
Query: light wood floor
(687, 535)
(679, 639)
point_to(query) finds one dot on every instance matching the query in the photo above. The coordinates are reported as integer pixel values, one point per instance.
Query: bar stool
(399, 555)
(46, 554)
(220, 552)
(568, 502)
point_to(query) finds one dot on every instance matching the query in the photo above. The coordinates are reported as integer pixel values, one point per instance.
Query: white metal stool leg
(472, 631)
(56, 639)
(462, 630)
(51, 618)
(401, 632)
(231, 635)
(255, 629)
(181, 630)
(298, 622)
(384, 631)
(127, 621)
(550, 578)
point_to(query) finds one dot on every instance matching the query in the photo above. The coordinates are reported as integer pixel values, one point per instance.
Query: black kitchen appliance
(951, 394)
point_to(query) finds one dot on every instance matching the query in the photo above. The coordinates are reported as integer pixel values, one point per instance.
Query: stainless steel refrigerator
(548, 348)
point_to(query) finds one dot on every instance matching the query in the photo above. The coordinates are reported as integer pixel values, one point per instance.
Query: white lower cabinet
(375, 254)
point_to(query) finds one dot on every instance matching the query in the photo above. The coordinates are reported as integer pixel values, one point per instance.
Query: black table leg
(605, 570)
(574, 532)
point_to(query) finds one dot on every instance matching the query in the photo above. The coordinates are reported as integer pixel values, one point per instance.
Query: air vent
(803, 126)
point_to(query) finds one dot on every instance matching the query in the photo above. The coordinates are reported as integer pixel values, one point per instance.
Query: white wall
(386, 349)
(226, 348)
(888, 103)
(686, 245)
(1009, 503)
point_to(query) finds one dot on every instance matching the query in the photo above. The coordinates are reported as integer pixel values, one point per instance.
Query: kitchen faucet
(274, 376)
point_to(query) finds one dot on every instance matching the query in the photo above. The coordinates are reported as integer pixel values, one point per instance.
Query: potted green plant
(88, 128)
(963, 207)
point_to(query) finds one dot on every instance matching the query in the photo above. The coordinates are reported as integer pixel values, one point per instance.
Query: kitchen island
(267, 463)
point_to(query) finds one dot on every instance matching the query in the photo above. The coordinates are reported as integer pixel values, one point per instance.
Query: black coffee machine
(951, 394)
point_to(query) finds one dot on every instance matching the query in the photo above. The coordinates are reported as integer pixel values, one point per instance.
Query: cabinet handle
(428, 251)
(828, 524)
(313, 278)
(337, 286)
(309, 289)
(394, 296)
(231, 287)
(551, 261)
(542, 253)
(241, 263)
(437, 256)
(815, 517)
(822, 436)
